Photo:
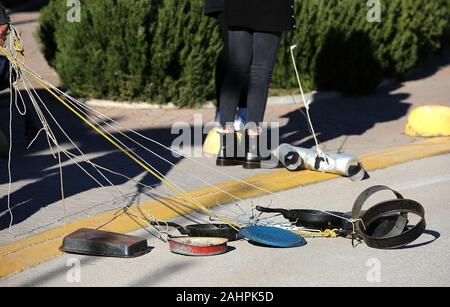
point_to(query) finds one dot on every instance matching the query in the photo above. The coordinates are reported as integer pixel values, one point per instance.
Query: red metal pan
(204, 230)
(198, 246)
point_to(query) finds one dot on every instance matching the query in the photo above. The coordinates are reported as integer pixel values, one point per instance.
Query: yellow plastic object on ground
(4, 146)
(429, 121)
(212, 142)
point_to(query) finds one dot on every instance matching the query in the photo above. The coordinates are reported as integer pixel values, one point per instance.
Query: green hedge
(165, 50)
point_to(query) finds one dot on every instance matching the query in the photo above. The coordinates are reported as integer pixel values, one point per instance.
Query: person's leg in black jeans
(221, 59)
(265, 48)
(221, 66)
(251, 56)
(239, 56)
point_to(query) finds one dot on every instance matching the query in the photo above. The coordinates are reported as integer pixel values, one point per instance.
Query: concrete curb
(29, 252)
(272, 101)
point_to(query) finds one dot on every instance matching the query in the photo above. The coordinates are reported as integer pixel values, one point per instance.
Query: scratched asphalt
(322, 262)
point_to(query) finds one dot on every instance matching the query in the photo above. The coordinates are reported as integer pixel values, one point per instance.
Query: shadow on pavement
(434, 234)
(40, 167)
(345, 116)
(431, 65)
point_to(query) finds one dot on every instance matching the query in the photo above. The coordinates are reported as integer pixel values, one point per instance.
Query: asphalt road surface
(322, 262)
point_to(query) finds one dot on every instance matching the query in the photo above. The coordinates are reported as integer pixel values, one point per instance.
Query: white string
(190, 174)
(79, 149)
(51, 136)
(72, 101)
(10, 150)
(46, 128)
(305, 102)
(35, 138)
(350, 220)
(149, 139)
(160, 144)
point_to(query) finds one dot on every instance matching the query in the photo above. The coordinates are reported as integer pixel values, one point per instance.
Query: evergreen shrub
(164, 50)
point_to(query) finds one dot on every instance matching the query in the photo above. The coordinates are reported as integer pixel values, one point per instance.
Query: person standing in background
(253, 32)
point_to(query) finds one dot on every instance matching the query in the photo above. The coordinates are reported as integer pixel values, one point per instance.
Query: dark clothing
(251, 58)
(4, 73)
(4, 63)
(214, 7)
(4, 18)
(251, 34)
(221, 65)
(260, 15)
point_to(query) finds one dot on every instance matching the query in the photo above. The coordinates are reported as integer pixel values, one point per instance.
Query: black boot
(229, 150)
(252, 158)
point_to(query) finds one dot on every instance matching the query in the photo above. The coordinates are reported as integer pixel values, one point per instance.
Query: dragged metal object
(272, 236)
(296, 158)
(204, 230)
(383, 226)
(400, 234)
(104, 244)
(198, 246)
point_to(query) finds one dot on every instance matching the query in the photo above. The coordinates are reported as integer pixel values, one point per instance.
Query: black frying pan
(204, 230)
(319, 220)
(313, 219)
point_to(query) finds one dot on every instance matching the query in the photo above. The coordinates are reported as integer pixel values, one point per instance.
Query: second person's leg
(221, 68)
(265, 49)
(239, 55)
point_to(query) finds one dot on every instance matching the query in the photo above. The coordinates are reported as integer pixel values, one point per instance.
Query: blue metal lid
(272, 236)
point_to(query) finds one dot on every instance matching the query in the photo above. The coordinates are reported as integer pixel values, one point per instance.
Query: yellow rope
(327, 233)
(126, 152)
(19, 49)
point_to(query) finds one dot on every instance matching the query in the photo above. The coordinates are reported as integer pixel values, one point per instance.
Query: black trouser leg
(221, 59)
(239, 55)
(265, 48)
(221, 66)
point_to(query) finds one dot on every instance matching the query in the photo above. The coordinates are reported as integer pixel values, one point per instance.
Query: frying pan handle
(271, 210)
(180, 228)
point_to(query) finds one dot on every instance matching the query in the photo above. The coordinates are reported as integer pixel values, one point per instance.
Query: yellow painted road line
(31, 251)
